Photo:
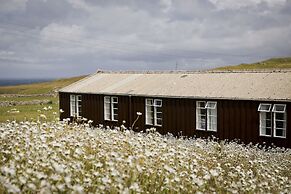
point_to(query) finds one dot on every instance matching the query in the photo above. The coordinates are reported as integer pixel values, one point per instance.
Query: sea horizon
(20, 81)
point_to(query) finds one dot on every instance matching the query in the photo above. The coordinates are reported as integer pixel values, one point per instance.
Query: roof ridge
(192, 71)
(79, 81)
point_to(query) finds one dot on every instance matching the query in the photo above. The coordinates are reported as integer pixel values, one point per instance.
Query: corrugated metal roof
(265, 85)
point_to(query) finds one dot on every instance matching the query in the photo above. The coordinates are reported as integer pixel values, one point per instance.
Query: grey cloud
(70, 37)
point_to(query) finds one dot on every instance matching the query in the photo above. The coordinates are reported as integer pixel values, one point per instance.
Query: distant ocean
(12, 82)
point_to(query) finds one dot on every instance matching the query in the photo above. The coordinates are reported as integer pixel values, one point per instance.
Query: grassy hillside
(274, 63)
(27, 102)
(39, 88)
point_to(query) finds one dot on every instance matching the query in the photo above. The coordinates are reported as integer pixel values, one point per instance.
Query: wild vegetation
(274, 63)
(45, 157)
(39, 154)
(22, 102)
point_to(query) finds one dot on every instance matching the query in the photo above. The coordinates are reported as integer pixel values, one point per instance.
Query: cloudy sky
(61, 38)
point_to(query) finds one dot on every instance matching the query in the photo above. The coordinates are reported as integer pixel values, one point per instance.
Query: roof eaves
(184, 97)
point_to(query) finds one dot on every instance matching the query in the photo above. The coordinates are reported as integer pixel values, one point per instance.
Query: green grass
(274, 63)
(29, 112)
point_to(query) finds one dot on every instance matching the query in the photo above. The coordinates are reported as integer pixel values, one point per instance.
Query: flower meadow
(61, 157)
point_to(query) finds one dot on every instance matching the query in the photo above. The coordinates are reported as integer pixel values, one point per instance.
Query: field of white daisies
(59, 157)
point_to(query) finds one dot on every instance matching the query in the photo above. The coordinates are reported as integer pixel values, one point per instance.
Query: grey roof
(260, 85)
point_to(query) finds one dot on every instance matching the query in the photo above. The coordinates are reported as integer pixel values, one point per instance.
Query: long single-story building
(253, 106)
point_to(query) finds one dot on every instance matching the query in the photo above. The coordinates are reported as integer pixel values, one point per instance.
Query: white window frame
(260, 109)
(275, 112)
(149, 118)
(114, 111)
(198, 115)
(210, 108)
(156, 112)
(107, 110)
(75, 105)
(109, 102)
(152, 117)
(263, 118)
(211, 115)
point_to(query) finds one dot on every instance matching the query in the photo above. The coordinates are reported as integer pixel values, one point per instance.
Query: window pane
(73, 109)
(79, 105)
(212, 127)
(114, 108)
(279, 119)
(159, 121)
(280, 124)
(200, 104)
(159, 109)
(72, 105)
(210, 105)
(159, 115)
(149, 114)
(268, 116)
(268, 123)
(158, 102)
(268, 131)
(150, 109)
(212, 112)
(79, 97)
(280, 116)
(202, 111)
(115, 111)
(212, 119)
(114, 99)
(264, 107)
(265, 123)
(107, 111)
(107, 99)
(149, 120)
(200, 115)
(279, 108)
(115, 117)
(203, 122)
(149, 102)
(279, 132)
(158, 112)
(202, 125)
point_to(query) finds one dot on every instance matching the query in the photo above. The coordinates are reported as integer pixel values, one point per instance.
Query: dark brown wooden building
(249, 106)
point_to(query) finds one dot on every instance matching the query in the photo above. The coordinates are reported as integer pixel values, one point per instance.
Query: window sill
(261, 135)
(153, 125)
(111, 120)
(201, 129)
(281, 137)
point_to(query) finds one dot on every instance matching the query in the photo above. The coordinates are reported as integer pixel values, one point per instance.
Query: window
(265, 119)
(279, 111)
(264, 107)
(111, 108)
(200, 115)
(211, 116)
(272, 119)
(154, 112)
(206, 115)
(75, 105)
